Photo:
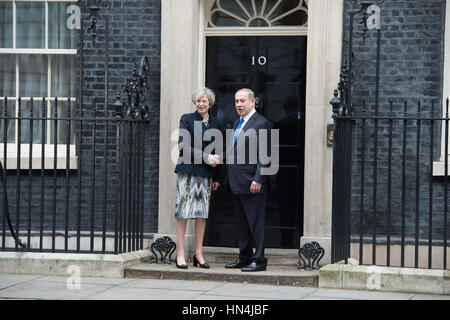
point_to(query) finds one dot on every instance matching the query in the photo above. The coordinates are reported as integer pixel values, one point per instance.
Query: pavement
(73, 287)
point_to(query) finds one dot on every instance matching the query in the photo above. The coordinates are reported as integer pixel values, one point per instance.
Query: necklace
(206, 121)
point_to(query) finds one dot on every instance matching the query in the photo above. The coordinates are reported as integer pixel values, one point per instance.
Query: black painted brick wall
(134, 31)
(411, 70)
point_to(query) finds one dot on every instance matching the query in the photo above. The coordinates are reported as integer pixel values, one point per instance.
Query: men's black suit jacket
(240, 176)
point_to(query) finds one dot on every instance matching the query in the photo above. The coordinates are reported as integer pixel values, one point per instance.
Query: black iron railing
(72, 181)
(390, 204)
(387, 194)
(76, 183)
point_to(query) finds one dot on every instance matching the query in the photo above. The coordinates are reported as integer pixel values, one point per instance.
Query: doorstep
(282, 269)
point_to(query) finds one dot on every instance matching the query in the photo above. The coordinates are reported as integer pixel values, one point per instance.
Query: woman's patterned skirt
(193, 195)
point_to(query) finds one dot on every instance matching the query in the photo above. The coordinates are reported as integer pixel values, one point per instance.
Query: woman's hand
(213, 160)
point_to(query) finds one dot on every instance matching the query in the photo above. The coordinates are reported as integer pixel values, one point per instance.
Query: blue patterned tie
(238, 129)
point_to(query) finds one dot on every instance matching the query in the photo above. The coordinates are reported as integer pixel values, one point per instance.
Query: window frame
(12, 148)
(211, 31)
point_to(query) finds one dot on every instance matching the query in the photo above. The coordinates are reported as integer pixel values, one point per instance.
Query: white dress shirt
(247, 117)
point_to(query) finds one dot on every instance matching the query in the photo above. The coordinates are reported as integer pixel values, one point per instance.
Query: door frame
(183, 58)
(258, 42)
(205, 32)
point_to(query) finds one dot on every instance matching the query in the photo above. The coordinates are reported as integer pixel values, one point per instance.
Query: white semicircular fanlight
(257, 13)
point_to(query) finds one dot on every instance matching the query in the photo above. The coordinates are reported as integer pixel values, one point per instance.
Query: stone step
(282, 269)
(274, 275)
(222, 255)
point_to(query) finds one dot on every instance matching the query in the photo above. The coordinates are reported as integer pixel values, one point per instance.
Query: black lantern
(94, 6)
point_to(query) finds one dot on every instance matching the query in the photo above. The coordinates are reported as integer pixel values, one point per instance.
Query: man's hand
(213, 160)
(255, 187)
(215, 185)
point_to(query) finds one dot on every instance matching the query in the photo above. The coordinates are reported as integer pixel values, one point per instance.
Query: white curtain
(6, 27)
(63, 68)
(33, 83)
(63, 85)
(10, 124)
(26, 124)
(7, 71)
(7, 89)
(30, 28)
(59, 36)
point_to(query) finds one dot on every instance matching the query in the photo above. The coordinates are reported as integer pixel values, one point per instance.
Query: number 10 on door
(261, 60)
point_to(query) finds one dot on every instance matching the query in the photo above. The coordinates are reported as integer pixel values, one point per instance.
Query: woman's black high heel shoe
(196, 262)
(180, 266)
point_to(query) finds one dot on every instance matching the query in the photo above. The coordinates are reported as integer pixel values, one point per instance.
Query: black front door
(275, 69)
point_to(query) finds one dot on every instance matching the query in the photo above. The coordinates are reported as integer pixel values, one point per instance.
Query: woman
(196, 175)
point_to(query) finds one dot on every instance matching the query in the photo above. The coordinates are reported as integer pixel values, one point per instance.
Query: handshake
(213, 160)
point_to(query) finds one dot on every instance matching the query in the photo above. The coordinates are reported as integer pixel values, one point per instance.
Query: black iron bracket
(312, 252)
(94, 6)
(166, 247)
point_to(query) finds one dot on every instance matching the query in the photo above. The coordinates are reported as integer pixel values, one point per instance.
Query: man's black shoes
(239, 263)
(255, 266)
(247, 265)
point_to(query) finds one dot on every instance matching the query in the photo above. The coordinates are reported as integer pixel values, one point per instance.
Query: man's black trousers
(251, 216)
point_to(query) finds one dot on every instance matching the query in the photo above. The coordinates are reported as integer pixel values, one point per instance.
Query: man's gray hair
(250, 93)
(204, 92)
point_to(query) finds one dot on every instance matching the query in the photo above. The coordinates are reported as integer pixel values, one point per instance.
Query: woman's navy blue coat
(196, 155)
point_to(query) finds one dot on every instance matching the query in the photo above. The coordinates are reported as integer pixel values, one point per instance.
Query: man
(247, 182)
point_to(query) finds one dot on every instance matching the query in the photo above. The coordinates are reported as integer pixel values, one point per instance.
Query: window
(287, 17)
(37, 60)
(252, 13)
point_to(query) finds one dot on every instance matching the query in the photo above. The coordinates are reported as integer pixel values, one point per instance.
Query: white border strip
(39, 99)
(249, 31)
(74, 1)
(37, 51)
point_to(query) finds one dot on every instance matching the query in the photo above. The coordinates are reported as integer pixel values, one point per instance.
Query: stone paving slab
(258, 291)
(173, 284)
(12, 280)
(84, 280)
(51, 291)
(124, 293)
(430, 297)
(225, 298)
(322, 298)
(360, 294)
(93, 288)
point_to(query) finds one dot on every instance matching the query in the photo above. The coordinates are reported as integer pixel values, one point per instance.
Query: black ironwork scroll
(166, 247)
(135, 90)
(312, 252)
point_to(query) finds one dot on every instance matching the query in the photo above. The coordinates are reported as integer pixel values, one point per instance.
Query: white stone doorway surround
(183, 70)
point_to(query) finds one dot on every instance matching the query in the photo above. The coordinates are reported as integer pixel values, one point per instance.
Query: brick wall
(134, 31)
(411, 68)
